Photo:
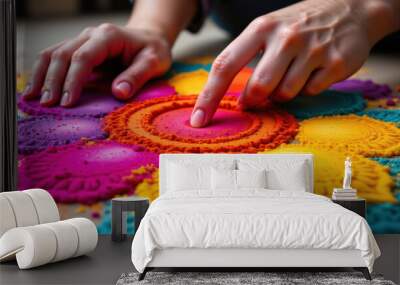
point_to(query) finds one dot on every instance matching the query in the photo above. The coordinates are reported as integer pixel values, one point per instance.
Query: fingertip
(28, 92)
(45, 99)
(122, 90)
(67, 99)
(197, 119)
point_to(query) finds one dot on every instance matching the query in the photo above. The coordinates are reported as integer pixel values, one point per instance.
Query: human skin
(144, 46)
(305, 48)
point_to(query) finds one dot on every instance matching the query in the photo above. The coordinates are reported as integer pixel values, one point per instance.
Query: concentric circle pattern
(351, 134)
(371, 179)
(327, 103)
(162, 125)
(239, 82)
(37, 133)
(91, 104)
(83, 172)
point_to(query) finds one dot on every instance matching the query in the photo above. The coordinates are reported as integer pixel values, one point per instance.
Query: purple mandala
(369, 89)
(91, 104)
(38, 133)
(83, 172)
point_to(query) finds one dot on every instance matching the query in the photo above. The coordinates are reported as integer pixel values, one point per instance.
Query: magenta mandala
(83, 172)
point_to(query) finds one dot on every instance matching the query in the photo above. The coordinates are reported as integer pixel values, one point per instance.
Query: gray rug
(243, 278)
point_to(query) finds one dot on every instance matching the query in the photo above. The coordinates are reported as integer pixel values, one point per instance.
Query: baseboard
(389, 262)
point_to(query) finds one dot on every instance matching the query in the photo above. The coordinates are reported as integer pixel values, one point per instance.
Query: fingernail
(197, 118)
(27, 89)
(45, 97)
(66, 98)
(124, 88)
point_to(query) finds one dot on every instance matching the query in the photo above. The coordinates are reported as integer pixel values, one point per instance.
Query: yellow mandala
(200, 60)
(371, 179)
(189, 83)
(149, 187)
(351, 134)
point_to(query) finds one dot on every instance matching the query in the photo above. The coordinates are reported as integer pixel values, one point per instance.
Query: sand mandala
(38, 133)
(384, 218)
(162, 125)
(83, 172)
(189, 83)
(371, 179)
(92, 104)
(351, 134)
(180, 67)
(383, 115)
(239, 82)
(394, 164)
(369, 89)
(148, 187)
(153, 90)
(327, 103)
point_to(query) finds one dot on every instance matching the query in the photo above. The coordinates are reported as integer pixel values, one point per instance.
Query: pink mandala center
(225, 123)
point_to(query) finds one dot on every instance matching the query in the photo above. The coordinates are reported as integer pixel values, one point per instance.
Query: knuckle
(257, 86)
(44, 55)
(339, 64)
(87, 31)
(51, 81)
(60, 54)
(290, 36)
(221, 64)
(313, 89)
(80, 56)
(107, 27)
(288, 88)
(261, 24)
(207, 97)
(153, 60)
(317, 51)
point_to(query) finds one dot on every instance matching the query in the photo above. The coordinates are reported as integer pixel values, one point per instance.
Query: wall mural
(105, 148)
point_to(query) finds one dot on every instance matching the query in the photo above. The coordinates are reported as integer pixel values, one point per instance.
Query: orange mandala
(162, 125)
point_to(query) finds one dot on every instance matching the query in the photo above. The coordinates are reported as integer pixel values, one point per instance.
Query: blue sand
(392, 116)
(328, 103)
(384, 218)
(394, 165)
(181, 67)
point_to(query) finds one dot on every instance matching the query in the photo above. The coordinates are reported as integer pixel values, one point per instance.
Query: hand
(306, 47)
(61, 71)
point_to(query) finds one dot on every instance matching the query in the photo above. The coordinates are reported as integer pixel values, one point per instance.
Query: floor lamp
(8, 132)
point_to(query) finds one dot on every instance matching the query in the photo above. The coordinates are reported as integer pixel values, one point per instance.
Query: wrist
(381, 17)
(153, 27)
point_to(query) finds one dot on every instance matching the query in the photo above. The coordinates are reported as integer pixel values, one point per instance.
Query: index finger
(225, 67)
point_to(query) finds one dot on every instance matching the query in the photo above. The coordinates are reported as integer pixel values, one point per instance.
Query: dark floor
(103, 266)
(110, 259)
